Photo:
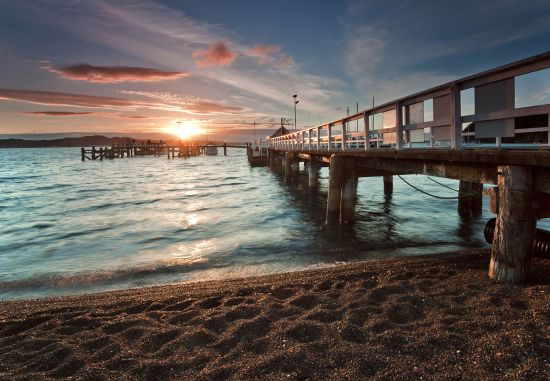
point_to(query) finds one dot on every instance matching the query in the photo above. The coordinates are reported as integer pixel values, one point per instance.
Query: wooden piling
(470, 205)
(100, 153)
(515, 226)
(349, 192)
(83, 153)
(93, 153)
(335, 184)
(313, 175)
(289, 160)
(388, 185)
(224, 149)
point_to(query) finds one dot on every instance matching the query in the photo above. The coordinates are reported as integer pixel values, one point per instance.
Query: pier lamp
(295, 103)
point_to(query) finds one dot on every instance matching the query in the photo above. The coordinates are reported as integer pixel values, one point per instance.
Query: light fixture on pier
(295, 103)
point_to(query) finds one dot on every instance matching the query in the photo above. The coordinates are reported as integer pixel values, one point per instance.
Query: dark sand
(437, 317)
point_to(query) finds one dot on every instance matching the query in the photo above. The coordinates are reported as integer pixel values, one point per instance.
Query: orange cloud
(217, 54)
(114, 74)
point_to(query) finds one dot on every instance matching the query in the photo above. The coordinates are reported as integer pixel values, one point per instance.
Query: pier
(395, 139)
(152, 149)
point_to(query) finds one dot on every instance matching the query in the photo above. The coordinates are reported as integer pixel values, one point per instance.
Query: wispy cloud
(191, 104)
(101, 114)
(402, 47)
(57, 113)
(271, 55)
(168, 102)
(217, 54)
(113, 74)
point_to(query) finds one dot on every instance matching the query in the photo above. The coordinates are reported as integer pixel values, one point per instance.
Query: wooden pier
(151, 149)
(396, 139)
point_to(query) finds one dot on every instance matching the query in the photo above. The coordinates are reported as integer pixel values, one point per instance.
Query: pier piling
(313, 175)
(289, 160)
(349, 192)
(388, 185)
(335, 184)
(470, 202)
(515, 226)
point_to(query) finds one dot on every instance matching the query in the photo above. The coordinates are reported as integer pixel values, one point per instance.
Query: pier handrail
(403, 114)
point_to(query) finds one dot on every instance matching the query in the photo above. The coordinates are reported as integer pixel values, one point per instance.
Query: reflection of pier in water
(385, 146)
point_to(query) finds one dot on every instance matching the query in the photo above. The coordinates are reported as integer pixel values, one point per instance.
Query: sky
(143, 66)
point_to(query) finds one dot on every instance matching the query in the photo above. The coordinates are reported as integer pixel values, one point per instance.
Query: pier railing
(403, 123)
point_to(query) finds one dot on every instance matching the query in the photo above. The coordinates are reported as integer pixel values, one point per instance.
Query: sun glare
(186, 129)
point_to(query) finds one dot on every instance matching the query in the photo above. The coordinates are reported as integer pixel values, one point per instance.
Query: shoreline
(435, 316)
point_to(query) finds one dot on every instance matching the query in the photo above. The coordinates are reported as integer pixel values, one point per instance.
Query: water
(68, 226)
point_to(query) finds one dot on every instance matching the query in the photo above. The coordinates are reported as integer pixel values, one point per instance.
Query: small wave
(109, 277)
(53, 186)
(84, 232)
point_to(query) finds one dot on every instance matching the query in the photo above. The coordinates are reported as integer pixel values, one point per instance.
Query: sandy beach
(434, 317)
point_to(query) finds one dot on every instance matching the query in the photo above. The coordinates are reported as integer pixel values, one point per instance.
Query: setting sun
(186, 129)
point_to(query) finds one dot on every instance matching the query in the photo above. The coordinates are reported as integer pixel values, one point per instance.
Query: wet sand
(435, 317)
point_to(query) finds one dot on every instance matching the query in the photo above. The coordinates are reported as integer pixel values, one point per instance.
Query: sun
(186, 129)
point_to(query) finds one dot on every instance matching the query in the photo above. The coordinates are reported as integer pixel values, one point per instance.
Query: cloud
(169, 102)
(114, 74)
(263, 53)
(102, 114)
(58, 113)
(271, 55)
(217, 54)
(193, 105)
(68, 99)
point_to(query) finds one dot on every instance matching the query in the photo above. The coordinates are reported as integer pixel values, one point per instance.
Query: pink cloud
(217, 54)
(114, 74)
(271, 55)
(284, 62)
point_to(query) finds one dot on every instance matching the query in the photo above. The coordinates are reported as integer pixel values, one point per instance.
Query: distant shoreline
(431, 317)
(84, 141)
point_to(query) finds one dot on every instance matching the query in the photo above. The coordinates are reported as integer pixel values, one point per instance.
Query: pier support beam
(335, 184)
(515, 226)
(388, 185)
(471, 205)
(313, 175)
(349, 193)
(224, 149)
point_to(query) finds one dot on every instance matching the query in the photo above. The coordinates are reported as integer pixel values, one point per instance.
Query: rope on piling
(462, 195)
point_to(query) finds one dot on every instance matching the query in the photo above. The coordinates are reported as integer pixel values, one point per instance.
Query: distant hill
(83, 141)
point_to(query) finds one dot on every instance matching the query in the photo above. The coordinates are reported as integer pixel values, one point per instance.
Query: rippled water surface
(68, 226)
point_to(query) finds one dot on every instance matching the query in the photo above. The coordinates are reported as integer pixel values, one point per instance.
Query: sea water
(68, 226)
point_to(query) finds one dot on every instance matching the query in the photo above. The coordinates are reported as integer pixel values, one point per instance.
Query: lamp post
(295, 103)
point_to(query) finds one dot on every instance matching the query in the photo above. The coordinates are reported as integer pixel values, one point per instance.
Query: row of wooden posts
(119, 151)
